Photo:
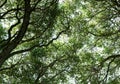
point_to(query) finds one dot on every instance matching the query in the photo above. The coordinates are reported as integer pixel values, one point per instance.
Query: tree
(48, 42)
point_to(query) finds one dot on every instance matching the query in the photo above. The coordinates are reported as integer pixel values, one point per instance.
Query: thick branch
(5, 54)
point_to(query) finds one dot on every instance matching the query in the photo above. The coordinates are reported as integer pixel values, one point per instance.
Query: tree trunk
(5, 54)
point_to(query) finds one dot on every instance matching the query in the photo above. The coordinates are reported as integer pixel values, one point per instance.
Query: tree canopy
(59, 42)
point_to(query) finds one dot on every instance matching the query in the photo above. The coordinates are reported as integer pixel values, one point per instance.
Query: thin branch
(33, 38)
(105, 34)
(9, 31)
(108, 58)
(57, 74)
(18, 22)
(44, 69)
(37, 45)
(12, 66)
(108, 68)
(33, 8)
(3, 3)
(5, 13)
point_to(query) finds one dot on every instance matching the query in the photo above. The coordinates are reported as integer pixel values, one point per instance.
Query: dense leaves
(59, 41)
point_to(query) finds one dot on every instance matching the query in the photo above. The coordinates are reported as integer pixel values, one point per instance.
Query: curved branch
(5, 13)
(37, 45)
(3, 3)
(109, 58)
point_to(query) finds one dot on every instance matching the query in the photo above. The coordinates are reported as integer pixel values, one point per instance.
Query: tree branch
(108, 68)
(37, 45)
(15, 9)
(108, 58)
(44, 69)
(5, 54)
(3, 3)
(12, 66)
(105, 34)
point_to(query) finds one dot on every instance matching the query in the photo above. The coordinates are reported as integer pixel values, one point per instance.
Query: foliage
(55, 41)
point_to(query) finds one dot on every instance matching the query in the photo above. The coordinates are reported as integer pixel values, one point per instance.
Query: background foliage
(65, 41)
